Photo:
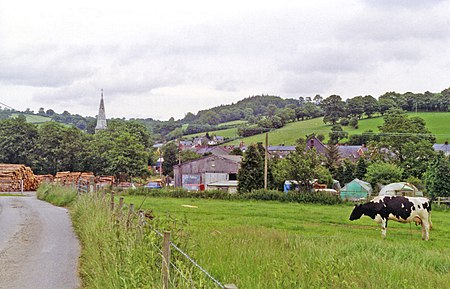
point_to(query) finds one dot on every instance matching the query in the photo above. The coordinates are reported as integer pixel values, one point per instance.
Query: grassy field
(33, 118)
(226, 133)
(234, 122)
(256, 244)
(437, 123)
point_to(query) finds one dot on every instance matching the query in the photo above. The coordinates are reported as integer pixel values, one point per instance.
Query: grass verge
(56, 194)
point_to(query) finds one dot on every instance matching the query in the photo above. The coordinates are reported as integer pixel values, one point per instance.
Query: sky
(162, 59)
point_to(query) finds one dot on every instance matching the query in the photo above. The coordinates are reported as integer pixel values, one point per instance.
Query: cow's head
(356, 213)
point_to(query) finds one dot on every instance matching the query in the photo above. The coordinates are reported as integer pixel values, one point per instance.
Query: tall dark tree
(361, 168)
(437, 177)
(334, 109)
(251, 173)
(370, 105)
(170, 154)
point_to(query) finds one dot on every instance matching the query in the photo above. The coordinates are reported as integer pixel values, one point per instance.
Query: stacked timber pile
(44, 178)
(12, 175)
(72, 178)
(105, 180)
(67, 178)
(87, 176)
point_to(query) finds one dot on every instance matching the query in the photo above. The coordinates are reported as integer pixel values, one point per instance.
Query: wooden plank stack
(11, 176)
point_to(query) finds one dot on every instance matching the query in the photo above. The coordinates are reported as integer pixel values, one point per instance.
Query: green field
(234, 122)
(33, 118)
(256, 244)
(437, 122)
(226, 133)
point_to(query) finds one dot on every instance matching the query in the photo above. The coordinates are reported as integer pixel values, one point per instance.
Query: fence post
(112, 201)
(439, 201)
(91, 185)
(21, 186)
(230, 286)
(166, 260)
(120, 204)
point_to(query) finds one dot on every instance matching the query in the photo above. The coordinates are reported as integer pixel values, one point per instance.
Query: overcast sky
(164, 58)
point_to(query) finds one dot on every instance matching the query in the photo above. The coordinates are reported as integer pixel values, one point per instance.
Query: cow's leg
(425, 229)
(383, 227)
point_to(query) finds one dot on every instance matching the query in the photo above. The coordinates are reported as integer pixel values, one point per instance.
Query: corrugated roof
(281, 148)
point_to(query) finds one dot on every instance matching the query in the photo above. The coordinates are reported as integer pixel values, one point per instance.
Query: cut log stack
(105, 180)
(72, 178)
(44, 178)
(12, 175)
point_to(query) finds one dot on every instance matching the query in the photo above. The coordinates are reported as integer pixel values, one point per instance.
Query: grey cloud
(394, 25)
(307, 84)
(409, 4)
(46, 66)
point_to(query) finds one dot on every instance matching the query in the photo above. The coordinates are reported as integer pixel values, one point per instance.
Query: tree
(334, 109)
(17, 141)
(437, 177)
(303, 167)
(356, 106)
(361, 168)
(251, 173)
(408, 141)
(370, 105)
(333, 156)
(383, 173)
(50, 112)
(170, 155)
(336, 134)
(345, 172)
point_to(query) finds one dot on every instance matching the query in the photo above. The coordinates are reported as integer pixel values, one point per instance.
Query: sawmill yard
(266, 244)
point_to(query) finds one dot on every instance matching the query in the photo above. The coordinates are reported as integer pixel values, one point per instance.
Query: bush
(56, 194)
(260, 195)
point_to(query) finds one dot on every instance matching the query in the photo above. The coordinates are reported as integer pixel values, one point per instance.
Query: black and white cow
(397, 208)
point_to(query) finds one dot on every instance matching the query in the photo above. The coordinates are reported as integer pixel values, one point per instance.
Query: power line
(16, 110)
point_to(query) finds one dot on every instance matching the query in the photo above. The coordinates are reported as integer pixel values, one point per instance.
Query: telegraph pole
(266, 156)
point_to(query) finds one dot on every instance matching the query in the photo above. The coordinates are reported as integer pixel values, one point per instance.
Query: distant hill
(437, 122)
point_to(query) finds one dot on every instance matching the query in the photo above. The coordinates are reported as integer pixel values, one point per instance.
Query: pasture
(33, 118)
(263, 244)
(437, 123)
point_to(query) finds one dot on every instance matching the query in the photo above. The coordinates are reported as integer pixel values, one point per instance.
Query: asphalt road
(38, 247)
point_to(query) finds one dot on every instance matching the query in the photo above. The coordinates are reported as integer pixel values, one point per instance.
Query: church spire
(101, 117)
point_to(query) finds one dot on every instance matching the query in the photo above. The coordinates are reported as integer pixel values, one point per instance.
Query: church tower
(101, 117)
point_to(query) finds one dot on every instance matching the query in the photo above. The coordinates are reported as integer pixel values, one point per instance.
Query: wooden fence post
(439, 201)
(112, 201)
(166, 260)
(121, 204)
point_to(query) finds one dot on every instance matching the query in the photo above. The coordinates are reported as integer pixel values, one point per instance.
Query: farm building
(281, 151)
(445, 148)
(352, 153)
(199, 174)
(356, 190)
(228, 186)
(400, 189)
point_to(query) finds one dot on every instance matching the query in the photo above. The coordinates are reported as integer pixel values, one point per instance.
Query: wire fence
(118, 205)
